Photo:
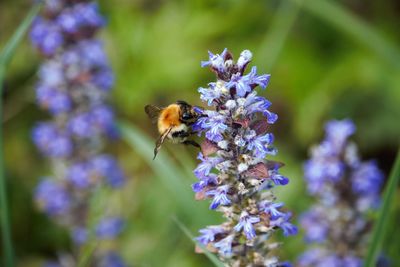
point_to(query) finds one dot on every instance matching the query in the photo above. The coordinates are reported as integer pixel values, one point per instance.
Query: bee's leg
(160, 141)
(156, 151)
(157, 148)
(191, 142)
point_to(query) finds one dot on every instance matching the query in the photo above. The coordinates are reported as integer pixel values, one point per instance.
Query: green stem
(5, 58)
(5, 224)
(380, 227)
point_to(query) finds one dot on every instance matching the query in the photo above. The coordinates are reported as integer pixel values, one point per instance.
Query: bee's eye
(186, 116)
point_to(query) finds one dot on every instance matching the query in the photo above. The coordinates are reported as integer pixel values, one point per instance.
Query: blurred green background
(328, 59)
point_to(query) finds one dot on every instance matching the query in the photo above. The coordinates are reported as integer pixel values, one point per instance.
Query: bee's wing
(153, 112)
(160, 141)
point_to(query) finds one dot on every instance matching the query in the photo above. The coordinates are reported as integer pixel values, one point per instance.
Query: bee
(174, 123)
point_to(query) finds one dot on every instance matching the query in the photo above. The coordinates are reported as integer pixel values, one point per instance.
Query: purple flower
(345, 190)
(54, 6)
(216, 61)
(224, 246)
(68, 20)
(209, 94)
(352, 261)
(285, 225)
(81, 125)
(52, 197)
(310, 257)
(92, 53)
(261, 145)
(367, 179)
(320, 170)
(234, 171)
(79, 235)
(74, 82)
(279, 179)
(89, 14)
(109, 228)
(107, 167)
(103, 78)
(244, 59)
(244, 84)
(316, 229)
(51, 74)
(246, 223)
(103, 118)
(331, 261)
(112, 259)
(338, 131)
(204, 168)
(215, 126)
(50, 141)
(254, 103)
(72, 20)
(272, 209)
(56, 101)
(51, 264)
(210, 179)
(208, 234)
(46, 36)
(220, 196)
(79, 174)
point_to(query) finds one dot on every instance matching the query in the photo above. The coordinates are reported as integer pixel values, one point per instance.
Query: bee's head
(188, 114)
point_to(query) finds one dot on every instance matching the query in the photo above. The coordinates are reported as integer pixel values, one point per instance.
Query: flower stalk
(346, 190)
(74, 83)
(235, 171)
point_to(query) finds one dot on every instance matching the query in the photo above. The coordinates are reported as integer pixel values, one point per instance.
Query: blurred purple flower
(345, 189)
(53, 197)
(79, 235)
(109, 228)
(54, 100)
(111, 259)
(50, 142)
(74, 83)
(46, 36)
(79, 174)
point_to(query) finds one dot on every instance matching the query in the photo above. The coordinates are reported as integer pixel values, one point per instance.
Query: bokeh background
(328, 59)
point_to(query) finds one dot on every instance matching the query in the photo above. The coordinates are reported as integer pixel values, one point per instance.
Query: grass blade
(343, 20)
(274, 41)
(5, 58)
(380, 227)
(9, 49)
(208, 254)
(170, 175)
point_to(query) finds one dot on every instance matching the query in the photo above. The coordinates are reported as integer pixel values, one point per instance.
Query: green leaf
(343, 20)
(5, 58)
(380, 227)
(209, 255)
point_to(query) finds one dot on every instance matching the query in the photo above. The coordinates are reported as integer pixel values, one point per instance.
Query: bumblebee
(174, 123)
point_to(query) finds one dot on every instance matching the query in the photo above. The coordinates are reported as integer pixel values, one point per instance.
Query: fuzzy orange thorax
(169, 117)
